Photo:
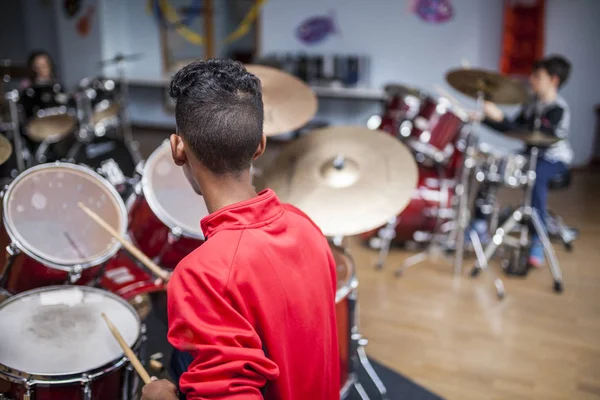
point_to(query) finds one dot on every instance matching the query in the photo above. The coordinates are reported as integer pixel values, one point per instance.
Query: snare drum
(55, 345)
(51, 120)
(49, 239)
(344, 309)
(435, 129)
(165, 214)
(501, 169)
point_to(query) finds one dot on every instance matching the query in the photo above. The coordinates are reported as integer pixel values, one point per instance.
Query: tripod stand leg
(387, 234)
(550, 255)
(410, 261)
(368, 368)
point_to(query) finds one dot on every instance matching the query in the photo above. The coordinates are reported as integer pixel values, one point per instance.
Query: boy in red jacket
(251, 311)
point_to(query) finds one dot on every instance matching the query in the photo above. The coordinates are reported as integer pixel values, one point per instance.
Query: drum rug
(398, 386)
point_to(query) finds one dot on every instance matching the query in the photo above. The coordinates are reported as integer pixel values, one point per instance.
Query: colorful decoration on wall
(316, 29)
(170, 18)
(71, 7)
(433, 11)
(84, 23)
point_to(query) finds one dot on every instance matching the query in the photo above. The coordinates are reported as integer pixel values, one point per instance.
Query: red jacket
(255, 306)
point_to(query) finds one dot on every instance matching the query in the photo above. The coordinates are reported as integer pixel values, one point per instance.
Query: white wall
(79, 55)
(573, 29)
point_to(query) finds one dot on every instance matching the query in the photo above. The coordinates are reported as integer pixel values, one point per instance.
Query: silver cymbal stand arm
(463, 189)
(127, 135)
(13, 97)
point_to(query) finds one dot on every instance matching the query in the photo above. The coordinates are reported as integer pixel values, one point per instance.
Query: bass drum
(431, 205)
(103, 148)
(48, 239)
(55, 345)
(165, 212)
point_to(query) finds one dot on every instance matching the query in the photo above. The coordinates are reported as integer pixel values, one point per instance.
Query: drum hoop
(155, 206)
(30, 252)
(18, 376)
(352, 282)
(458, 113)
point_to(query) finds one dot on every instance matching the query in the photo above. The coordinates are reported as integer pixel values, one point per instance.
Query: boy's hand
(492, 111)
(159, 390)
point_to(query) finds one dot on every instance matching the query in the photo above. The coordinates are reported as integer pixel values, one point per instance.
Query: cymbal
(121, 57)
(495, 87)
(288, 102)
(348, 180)
(5, 149)
(534, 138)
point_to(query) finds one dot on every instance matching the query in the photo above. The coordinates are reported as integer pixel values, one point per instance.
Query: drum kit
(452, 164)
(62, 269)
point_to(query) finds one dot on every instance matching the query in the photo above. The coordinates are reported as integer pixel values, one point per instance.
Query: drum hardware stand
(11, 251)
(127, 133)
(522, 216)
(386, 235)
(20, 153)
(463, 192)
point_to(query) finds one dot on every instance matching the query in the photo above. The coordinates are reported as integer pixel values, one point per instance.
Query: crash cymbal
(5, 149)
(348, 180)
(534, 138)
(495, 87)
(288, 102)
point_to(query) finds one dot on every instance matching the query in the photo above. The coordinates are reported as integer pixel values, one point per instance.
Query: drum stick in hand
(127, 351)
(161, 273)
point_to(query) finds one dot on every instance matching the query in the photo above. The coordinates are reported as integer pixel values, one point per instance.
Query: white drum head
(59, 330)
(42, 217)
(170, 195)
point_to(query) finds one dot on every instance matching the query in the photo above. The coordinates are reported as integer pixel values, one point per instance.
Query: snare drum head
(170, 195)
(59, 330)
(42, 216)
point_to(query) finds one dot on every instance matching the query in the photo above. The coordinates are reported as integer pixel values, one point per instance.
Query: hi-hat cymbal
(494, 87)
(534, 138)
(348, 180)
(288, 102)
(5, 149)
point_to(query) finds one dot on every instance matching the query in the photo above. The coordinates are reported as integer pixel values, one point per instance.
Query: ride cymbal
(288, 102)
(348, 180)
(533, 138)
(5, 149)
(494, 87)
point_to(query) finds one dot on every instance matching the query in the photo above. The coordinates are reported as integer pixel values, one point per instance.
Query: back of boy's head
(219, 113)
(555, 65)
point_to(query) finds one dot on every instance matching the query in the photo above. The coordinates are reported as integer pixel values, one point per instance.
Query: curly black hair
(219, 113)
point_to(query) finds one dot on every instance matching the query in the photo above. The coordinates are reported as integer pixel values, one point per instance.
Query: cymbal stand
(522, 216)
(126, 123)
(462, 189)
(21, 154)
(358, 356)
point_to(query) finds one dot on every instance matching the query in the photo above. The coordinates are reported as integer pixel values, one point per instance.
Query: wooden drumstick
(127, 351)
(158, 271)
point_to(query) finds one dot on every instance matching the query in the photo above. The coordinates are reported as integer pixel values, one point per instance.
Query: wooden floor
(455, 337)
